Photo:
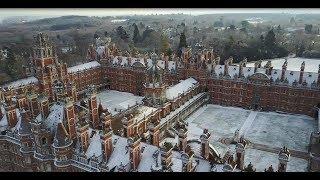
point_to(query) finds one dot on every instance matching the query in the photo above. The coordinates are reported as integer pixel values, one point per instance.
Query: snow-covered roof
(21, 82)
(81, 67)
(124, 62)
(120, 153)
(94, 146)
(56, 115)
(294, 64)
(144, 111)
(180, 88)
(149, 156)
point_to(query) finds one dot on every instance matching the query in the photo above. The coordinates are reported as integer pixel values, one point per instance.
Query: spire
(61, 137)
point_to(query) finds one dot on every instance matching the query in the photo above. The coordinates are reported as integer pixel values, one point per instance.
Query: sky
(118, 12)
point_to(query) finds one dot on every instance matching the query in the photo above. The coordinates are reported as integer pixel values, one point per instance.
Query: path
(247, 124)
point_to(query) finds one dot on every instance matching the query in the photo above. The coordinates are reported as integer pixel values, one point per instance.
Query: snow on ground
(112, 100)
(294, 64)
(220, 121)
(262, 160)
(84, 66)
(278, 130)
(268, 128)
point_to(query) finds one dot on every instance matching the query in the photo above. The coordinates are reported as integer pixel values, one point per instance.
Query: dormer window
(310, 75)
(291, 73)
(275, 72)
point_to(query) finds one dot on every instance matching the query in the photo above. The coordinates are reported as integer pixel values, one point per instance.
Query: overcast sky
(116, 12)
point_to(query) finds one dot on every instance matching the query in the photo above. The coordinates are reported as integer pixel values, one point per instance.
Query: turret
(33, 104)
(12, 118)
(106, 140)
(70, 117)
(83, 134)
(93, 107)
(62, 148)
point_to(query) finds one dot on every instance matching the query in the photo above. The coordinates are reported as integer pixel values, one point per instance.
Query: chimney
(241, 65)
(70, 117)
(240, 150)
(205, 144)
(106, 140)
(154, 133)
(257, 65)
(284, 69)
(284, 156)
(166, 156)
(135, 152)
(226, 66)
(166, 63)
(301, 72)
(182, 139)
(128, 129)
(83, 134)
(11, 114)
(268, 67)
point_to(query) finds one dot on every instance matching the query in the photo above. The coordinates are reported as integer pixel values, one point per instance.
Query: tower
(46, 65)
(11, 113)
(83, 134)
(155, 87)
(106, 140)
(62, 148)
(25, 136)
(284, 156)
(93, 106)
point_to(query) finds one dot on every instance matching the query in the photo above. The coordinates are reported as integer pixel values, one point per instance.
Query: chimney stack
(301, 72)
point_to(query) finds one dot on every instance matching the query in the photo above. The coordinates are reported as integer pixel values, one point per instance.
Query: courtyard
(267, 132)
(116, 101)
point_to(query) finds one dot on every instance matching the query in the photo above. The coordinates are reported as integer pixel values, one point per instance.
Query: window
(44, 141)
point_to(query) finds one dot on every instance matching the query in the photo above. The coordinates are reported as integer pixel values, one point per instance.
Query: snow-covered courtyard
(270, 129)
(278, 130)
(115, 101)
(220, 121)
